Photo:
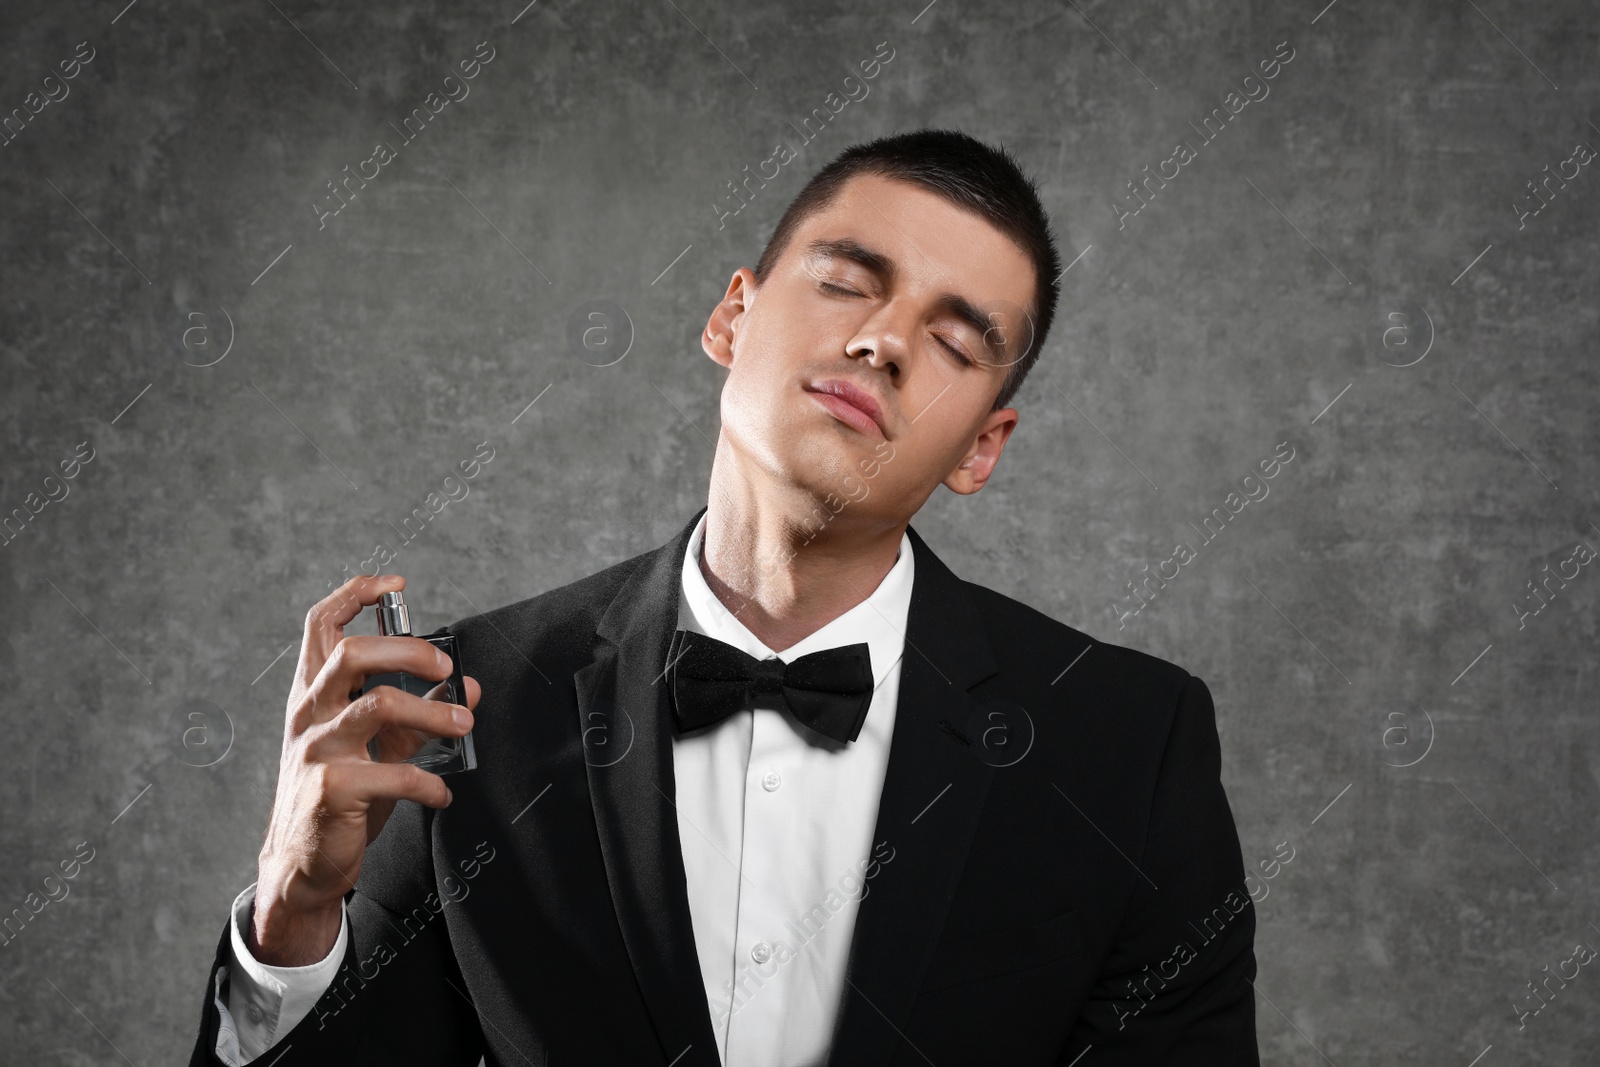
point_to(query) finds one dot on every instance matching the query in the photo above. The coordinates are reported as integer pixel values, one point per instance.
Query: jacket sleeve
(1177, 987)
(398, 996)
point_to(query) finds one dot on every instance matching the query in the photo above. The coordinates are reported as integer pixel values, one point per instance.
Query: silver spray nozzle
(393, 618)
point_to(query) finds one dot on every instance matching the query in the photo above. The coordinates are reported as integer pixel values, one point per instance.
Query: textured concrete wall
(1391, 706)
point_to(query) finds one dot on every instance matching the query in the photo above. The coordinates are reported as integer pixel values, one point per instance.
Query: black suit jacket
(1065, 874)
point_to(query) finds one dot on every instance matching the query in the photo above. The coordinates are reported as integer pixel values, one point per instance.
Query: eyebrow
(884, 267)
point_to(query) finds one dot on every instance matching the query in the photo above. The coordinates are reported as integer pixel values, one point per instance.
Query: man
(784, 791)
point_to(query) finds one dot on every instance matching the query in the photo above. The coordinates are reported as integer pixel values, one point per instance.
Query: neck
(765, 558)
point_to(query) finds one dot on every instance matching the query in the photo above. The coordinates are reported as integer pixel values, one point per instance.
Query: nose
(881, 342)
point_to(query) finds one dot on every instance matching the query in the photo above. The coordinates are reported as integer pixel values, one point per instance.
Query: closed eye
(831, 288)
(954, 351)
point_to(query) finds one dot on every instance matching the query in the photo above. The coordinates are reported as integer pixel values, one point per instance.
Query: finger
(328, 617)
(394, 743)
(375, 782)
(398, 744)
(386, 707)
(355, 659)
(442, 691)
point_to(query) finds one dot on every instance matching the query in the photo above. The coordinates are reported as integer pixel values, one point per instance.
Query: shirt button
(254, 1013)
(770, 781)
(761, 952)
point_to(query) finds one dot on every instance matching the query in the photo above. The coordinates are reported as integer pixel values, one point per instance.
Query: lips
(851, 404)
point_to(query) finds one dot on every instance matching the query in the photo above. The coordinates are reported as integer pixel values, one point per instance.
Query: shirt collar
(880, 620)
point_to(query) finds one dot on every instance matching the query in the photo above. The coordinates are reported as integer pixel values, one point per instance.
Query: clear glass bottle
(441, 755)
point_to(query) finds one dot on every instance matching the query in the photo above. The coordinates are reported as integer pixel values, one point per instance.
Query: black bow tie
(829, 691)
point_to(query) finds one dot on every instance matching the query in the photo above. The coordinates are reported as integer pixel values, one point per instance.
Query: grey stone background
(1430, 757)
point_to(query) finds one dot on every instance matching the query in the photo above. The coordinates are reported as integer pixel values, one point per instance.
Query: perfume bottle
(441, 755)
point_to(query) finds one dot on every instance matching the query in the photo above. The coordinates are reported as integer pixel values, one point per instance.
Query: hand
(333, 798)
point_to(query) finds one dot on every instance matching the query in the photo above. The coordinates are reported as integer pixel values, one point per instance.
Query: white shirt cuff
(266, 1002)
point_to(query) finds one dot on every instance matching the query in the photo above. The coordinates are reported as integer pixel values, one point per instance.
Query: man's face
(914, 302)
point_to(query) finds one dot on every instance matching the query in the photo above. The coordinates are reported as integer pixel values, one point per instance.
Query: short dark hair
(969, 174)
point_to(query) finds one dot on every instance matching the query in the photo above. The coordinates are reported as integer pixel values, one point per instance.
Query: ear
(984, 452)
(723, 326)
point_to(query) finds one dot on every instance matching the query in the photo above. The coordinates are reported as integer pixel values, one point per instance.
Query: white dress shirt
(776, 827)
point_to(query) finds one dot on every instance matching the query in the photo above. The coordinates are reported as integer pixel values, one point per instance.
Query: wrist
(282, 933)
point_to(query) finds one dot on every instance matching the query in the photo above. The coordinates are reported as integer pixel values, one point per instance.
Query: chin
(818, 455)
(814, 462)
(845, 465)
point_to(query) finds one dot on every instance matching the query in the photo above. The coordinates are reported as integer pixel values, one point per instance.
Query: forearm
(281, 935)
(263, 1001)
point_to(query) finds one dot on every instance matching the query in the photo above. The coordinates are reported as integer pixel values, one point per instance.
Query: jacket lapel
(626, 724)
(933, 794)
